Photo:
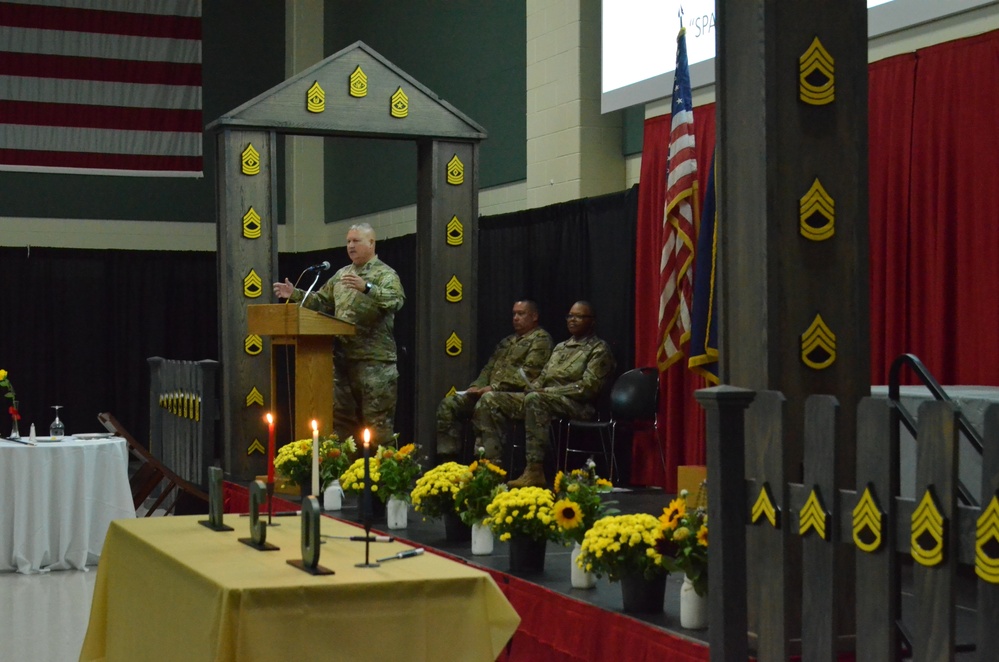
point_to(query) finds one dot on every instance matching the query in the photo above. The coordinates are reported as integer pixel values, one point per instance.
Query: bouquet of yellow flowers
(334, 457)
(397, 469)
(524, 511)
(435, 490)
(686, 535)
(579, 503)
(294, 460)
(620, 545)
(478, 487)
(391, 470)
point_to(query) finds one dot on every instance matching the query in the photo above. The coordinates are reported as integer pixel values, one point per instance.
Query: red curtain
(681, 420)
(934, 246)
(953, 261)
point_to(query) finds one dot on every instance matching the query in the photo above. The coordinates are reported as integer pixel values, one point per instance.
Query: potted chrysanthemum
(629, 549)
(478, 487)
(391, 470)
(578, 505)
(524, 516)
(685, 531)
(294, 461)
(397, 468)
(433, 497)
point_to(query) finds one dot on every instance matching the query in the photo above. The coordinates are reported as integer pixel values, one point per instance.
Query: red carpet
(553, 627)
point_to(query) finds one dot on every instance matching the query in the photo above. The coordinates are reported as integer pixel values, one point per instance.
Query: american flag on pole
(676, 266)
(101, 87)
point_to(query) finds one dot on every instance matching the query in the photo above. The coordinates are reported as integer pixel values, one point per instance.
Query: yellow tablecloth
(170, 589)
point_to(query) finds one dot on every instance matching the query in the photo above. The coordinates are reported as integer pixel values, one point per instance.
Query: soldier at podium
(368, 294)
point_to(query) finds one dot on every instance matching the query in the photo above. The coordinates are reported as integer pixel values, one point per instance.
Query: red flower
(13, 413)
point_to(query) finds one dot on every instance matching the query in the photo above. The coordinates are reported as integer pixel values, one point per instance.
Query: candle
(315, 458)
(366, 502)
(270, 448)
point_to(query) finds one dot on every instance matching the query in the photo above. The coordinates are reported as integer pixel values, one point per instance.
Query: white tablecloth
(57, 500)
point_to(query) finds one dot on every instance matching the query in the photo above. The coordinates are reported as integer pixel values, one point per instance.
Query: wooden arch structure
(353, 93)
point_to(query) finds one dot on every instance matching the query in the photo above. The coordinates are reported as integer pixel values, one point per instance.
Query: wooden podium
(311, 333)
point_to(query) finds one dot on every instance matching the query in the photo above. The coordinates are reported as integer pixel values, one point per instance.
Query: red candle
(270, 448)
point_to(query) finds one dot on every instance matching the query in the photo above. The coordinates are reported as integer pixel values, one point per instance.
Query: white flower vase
(397, 513)
(693, 607)
(579, 577)
(333, 496)
(482, 540)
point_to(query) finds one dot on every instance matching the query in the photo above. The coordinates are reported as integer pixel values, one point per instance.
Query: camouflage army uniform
(502, 373)
(567, 387)
(366, 377)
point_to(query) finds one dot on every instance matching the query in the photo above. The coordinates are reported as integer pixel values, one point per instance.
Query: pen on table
(360, 538)
(402, 555)
(283, 513)
(19, 441)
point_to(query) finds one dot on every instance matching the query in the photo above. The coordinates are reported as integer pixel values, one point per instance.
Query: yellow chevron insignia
(253, 344)
(868, 519)
(255, 447)
(251, 224)
(987, 542)
(818, 345)
(817, 204)
(452, 291)
(252, 285)
(452, 346)
(399, 107)
(929, 530)
(816, 75)
(813, 516)
(254, 397)
(181, 404)
(455, 171)
(358, 83)
(455, 232)
(451, 391)
(764, 508)
(250, 160)
(315, 98)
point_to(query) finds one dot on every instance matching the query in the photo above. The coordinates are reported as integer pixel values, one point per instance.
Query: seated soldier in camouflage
(567, 387)
(517, 359)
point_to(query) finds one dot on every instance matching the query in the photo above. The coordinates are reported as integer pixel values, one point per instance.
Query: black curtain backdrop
(77, 325)
(76, 328)
(557, 255)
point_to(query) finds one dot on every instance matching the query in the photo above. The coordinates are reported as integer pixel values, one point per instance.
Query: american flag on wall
(106, 87)
(676, 266)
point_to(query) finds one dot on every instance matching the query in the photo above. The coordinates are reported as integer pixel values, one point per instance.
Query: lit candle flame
(315, 425)
(367, 436)
(270, 419)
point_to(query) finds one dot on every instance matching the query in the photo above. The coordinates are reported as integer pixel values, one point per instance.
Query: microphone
(322, 266)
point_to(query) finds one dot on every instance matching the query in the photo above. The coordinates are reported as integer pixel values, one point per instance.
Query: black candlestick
(366, 506)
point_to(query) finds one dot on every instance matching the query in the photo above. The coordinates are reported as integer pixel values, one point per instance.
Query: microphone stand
(309, 291)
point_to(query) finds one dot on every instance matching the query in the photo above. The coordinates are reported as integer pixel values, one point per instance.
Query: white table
(57, 500)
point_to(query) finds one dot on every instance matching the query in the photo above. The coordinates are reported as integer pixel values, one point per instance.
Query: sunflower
(558, 482)
(702, 536)
(567, 514)
(671, 514)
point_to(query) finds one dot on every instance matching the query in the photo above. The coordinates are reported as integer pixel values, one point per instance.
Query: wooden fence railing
(752, 506)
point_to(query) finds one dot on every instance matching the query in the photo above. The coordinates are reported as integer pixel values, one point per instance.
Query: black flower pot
(642, 596)
(527, 555)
